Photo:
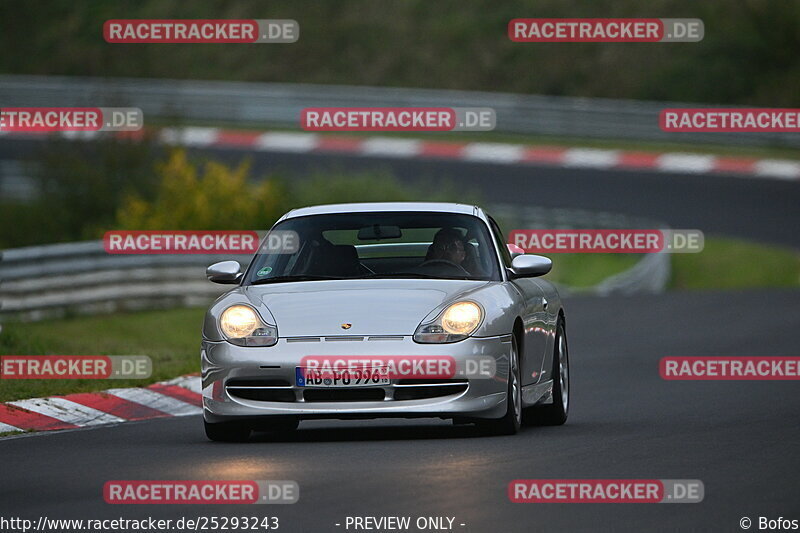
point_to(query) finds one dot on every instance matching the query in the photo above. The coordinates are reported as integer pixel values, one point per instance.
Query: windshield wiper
(279, 279)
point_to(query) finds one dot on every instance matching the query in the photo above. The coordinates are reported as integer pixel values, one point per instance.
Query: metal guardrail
(279, 104)
(51, 281)
(650, 274)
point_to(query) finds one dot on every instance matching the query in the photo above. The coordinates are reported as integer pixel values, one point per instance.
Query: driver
(448, 245)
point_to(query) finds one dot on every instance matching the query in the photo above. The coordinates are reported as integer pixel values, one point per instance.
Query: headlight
(238, 321)
(242, 326)
(456, 323)
(461, 318)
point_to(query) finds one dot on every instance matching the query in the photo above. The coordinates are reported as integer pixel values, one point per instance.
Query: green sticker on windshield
(264, 271)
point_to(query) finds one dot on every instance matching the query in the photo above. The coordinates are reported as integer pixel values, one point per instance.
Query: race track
(739, 438)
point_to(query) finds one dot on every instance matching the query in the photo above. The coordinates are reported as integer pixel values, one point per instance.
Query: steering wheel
(445, 262)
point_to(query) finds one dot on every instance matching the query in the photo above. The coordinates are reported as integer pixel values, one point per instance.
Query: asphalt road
(755, 208)
(740, 438)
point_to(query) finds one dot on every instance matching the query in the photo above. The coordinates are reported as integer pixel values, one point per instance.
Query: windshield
(380, 245)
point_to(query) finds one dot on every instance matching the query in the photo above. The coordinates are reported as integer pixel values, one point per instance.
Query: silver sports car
(384, 310)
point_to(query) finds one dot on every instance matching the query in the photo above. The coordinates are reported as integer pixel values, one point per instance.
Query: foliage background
(87, 189)
(749, 55)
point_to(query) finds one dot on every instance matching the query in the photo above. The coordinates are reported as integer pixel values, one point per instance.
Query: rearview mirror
(529, 266)
(377, 232)
(225, 272)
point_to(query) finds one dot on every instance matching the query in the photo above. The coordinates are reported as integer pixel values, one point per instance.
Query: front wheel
(555, 414)
(512, 420)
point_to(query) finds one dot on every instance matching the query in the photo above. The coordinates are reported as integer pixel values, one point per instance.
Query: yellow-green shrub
(208, 196)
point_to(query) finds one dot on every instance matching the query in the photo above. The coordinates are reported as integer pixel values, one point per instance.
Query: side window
(501, 243)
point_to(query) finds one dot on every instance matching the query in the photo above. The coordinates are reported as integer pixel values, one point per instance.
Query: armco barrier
(40, 282)
(650, 274)
(279, 104)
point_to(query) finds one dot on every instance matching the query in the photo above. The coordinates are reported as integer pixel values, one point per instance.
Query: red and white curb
(479, 152)
(178, 397)
(482, 152)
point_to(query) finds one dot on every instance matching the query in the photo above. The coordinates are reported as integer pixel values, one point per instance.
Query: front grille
(261, 382)
(262, 390)
(421, 389)
(365, 394)
(264, 395)
(280, 390)
(428, 381)
(421, 393)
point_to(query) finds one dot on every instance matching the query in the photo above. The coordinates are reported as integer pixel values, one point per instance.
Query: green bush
(194, 195)
(88, 189)
(211, 196)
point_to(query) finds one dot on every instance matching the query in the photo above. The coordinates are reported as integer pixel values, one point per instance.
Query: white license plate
(340, 378)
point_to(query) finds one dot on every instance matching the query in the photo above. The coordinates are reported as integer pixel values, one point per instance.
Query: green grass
(735, 264)
(586, 270)
(9, 433)
(171, 339)
(723, 264)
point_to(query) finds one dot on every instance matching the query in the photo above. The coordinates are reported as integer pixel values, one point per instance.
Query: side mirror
(529, 266)
(225, 272)
(514, 250)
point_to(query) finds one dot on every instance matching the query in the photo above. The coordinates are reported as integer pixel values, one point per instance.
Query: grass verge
(171, 338)
(582, 271)
(734, 264)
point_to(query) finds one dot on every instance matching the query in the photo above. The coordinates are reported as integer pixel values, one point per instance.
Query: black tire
(512, 420)
(554, 414)
(227, 431)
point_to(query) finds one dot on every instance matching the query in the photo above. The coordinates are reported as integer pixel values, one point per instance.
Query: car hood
(372, 307)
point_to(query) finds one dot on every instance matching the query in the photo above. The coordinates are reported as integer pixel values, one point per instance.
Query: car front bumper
(236, 380)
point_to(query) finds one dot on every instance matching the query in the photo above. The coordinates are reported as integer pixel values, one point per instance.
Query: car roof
(433, 207)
